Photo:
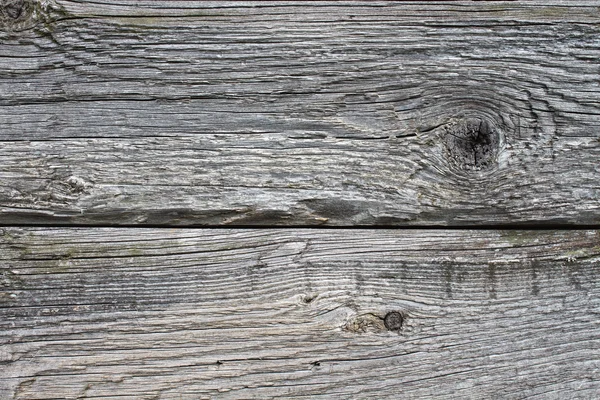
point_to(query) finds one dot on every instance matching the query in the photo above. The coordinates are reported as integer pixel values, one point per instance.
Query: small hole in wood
(393, 321)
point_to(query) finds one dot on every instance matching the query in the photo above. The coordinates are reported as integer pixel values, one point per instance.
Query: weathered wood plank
(148, 314)
(284, 113)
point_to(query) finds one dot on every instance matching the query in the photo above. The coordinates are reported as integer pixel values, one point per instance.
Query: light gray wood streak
(161, 314)
(284, 113)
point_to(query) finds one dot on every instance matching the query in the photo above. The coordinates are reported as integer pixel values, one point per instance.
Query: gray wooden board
(287, 113)
(179, 313)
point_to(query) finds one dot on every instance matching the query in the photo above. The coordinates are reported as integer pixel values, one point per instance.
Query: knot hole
(472, 143)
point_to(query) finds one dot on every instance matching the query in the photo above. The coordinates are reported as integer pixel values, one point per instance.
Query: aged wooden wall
(299, 199)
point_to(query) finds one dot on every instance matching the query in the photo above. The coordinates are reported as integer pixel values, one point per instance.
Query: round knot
(393, 321)
(472, 143)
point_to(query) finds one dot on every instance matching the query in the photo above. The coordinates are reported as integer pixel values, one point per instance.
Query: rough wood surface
(171, 314)
(372, 113)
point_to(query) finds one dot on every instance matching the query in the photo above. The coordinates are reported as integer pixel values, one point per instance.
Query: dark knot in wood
(13, 8)
(393, 321)
(472, 143)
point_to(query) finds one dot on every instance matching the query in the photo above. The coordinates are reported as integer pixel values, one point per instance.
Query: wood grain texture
(287, 113)
(170, 314)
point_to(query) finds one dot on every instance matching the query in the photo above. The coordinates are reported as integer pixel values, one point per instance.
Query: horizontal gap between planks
(535, 227)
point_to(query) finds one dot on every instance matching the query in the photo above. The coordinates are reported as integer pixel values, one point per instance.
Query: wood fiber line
(229, 314)
(281, 113)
